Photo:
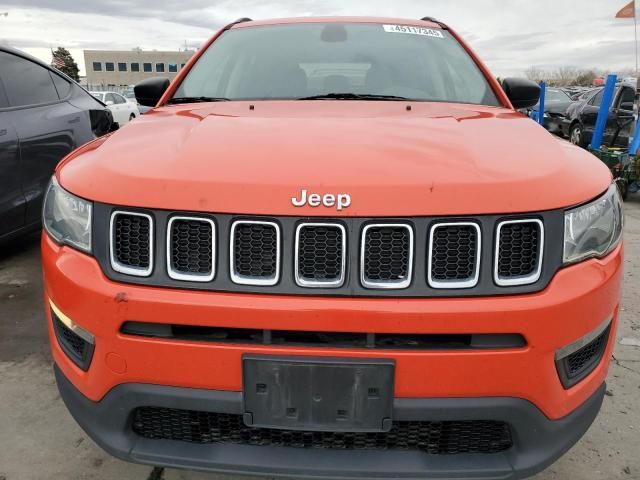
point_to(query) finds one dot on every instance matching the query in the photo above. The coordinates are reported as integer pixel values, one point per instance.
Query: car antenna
(240, 20)
(433, 20)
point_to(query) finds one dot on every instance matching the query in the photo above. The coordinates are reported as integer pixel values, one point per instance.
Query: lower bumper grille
(75, 347)
(437, 438)
(576, 366)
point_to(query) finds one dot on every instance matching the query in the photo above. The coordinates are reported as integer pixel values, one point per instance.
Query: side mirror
(108, 102)
(148, 92)
(523, 93)
(102, 122)
(626, 106)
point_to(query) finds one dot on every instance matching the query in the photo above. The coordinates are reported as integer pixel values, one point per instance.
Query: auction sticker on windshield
(428, 32)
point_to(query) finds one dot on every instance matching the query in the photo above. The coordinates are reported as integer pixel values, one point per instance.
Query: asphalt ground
(39, 439)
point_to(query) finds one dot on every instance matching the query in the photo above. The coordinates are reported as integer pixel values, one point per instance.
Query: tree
(63, 61)
(586, 77)
(535, 74)
(564, 76)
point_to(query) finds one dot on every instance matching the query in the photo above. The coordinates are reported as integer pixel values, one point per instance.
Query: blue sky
(509, 35)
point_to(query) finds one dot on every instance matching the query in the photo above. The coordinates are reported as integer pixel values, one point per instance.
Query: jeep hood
(431, 159)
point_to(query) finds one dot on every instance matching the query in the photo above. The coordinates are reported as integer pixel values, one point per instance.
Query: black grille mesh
(580, 360)
(255, 250)
(438, 438)
(75, 343)
(320, 253)
(518, 249)
(191, 246)
(454, 253)
(74, 346)
(386, 254)
(131, 235)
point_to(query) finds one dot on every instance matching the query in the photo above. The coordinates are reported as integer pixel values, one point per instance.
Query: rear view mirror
(102, 122)
(148, 92)
(522, 93)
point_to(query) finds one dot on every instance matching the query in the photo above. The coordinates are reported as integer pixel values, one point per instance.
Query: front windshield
(309, 59)
(556, 96)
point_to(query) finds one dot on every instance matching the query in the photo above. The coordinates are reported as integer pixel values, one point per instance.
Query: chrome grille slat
(392, 267)
(261, 250)
(312, 270)
(191, 254)
(136, 242)
(454, 258)
(526, 247)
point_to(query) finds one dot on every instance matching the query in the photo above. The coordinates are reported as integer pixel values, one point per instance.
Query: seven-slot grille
(255, 252)
(519, 255)
(320, 254)
(454, 255)
(385, 252)
(131, 243)
(386, 256)
(191, 248)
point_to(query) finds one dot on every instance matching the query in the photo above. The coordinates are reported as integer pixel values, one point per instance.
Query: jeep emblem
(340, 200)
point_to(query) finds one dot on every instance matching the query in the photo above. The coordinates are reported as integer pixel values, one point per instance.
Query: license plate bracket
(318, 393)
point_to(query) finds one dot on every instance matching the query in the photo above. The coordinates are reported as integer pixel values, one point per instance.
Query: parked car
(123, 110)
(44, 115)
(335, 250)
(555, 105)
(130, 95)
(580, 94)
(577, 103)
(579, 126)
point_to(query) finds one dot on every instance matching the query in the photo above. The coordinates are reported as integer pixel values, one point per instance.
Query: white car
(123, 110)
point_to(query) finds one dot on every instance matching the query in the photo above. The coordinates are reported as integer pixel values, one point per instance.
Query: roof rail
(433, 20)
(240, 20)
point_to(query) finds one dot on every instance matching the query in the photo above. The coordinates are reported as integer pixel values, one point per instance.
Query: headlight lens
(593, 230)
(67, 218)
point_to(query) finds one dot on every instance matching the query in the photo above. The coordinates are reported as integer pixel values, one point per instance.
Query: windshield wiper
(198, 99)
(353, 96)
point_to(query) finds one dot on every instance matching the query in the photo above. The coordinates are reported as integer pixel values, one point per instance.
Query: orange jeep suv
(334, 249)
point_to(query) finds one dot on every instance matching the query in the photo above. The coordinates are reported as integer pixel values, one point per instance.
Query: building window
(173, 67)
(181, 66)
(147, 67)
(135, 67)
(122, 67)
(108, 66)
(159, 67)
(97, 66)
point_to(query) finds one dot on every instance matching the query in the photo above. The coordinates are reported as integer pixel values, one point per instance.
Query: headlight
(67, 218)
(593, 230)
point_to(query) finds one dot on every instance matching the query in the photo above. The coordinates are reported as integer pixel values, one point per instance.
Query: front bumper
(519, 386)
(538, 441)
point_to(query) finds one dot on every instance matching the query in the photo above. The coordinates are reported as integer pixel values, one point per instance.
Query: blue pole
(635, 142)
(543, 91)
(603, 112)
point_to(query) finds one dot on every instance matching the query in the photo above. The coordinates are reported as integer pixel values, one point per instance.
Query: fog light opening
(577, 360)
(77, 343)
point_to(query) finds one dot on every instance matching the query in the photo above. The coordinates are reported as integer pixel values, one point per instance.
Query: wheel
(132, 116)
(575, 135)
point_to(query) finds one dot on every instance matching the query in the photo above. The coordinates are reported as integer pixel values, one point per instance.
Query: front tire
(576, 135)
(132, 116)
